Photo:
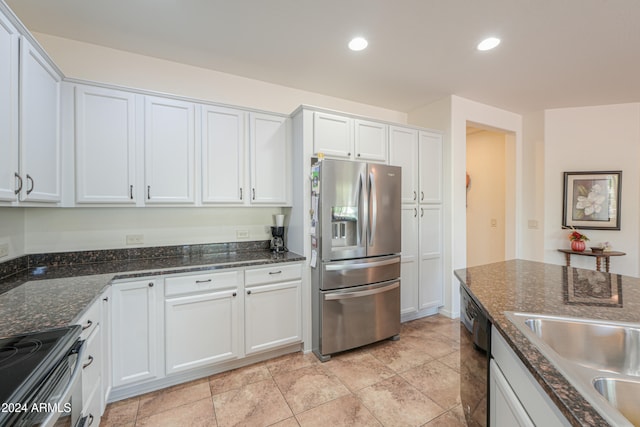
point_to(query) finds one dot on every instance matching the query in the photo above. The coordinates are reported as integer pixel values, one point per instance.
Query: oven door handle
(358, 294)
(75, 376)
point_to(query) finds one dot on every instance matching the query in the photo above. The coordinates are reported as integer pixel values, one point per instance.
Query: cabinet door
(403, 152)
(39, 127)
(371, 141)
(506, 409)
(332, 135)
(8, 109)
(409, 266)
(105, 145)
(223, 155)
(431, 275)
(201, 330)
(273, 316)
(169, 144)
(270, 159)
(136, 328)
(430, 167)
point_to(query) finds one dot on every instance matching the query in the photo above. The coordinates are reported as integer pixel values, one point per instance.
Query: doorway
(489, 212)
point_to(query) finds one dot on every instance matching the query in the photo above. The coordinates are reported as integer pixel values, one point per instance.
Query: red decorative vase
(578, 245)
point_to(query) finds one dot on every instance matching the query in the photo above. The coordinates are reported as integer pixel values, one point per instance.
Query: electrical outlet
(494, 222)
(135, 239)
(242, 234)
(4, 250)
(267, 229)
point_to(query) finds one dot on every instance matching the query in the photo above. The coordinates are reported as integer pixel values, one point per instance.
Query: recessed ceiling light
(358, 43)
(488, 43)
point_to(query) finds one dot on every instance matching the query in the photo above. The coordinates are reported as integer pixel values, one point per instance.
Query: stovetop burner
(26, 359)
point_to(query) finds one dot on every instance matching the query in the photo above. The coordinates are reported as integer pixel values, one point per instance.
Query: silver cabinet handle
(90, 361)
(148, 192)
(90, 420)
(358, 294)
(105, 299)
(415, 212)
(421, 195)
(19, 189)
(276, 272)
(240, 193)
(151, 284)
(88, 325)
(253, 194)
(415, 195)
(203, 281)
(29, 190)
(234, 294)
(421, 212)
(249, 292)
(131, 192)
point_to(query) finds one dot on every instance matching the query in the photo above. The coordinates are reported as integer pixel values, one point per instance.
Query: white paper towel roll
(279, 220)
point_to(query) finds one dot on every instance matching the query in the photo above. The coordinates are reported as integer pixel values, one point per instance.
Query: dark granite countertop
(57, 293)
(533, 287)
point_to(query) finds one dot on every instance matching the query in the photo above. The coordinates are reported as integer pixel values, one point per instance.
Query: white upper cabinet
(8, 109)
(370, 140)
(105, 145)
(430, 167)
(223, 155)
(332, 135)
(40, 156)
(270, 159)
(169, 144)
(342, 137)
(403, 152)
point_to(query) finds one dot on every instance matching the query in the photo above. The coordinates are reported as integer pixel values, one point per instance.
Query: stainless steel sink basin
(623, 395)
(608, 347)
(600, 359)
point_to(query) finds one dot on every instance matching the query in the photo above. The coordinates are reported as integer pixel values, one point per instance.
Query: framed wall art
(592, 200)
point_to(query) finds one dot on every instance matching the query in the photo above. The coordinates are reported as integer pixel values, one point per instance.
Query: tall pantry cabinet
(419, 153)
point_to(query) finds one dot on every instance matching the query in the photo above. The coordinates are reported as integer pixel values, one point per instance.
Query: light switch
(532, 224)
(494, 222)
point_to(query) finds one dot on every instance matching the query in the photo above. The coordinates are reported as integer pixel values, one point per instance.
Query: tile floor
(410, 382)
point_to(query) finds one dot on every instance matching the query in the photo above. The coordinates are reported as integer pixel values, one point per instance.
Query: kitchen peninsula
(533, 287)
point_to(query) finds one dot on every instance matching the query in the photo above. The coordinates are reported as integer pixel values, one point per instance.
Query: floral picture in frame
(592, 200)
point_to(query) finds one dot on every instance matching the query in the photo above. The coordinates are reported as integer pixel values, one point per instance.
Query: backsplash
(58, 259)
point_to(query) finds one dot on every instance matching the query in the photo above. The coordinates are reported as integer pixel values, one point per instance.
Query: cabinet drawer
(201, 282)
(274, 273)
(90, 320)
(92, 363)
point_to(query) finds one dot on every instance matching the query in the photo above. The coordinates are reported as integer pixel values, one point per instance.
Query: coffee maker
(277, 240)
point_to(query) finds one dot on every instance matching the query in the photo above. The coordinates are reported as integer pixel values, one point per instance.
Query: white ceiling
(554, 53)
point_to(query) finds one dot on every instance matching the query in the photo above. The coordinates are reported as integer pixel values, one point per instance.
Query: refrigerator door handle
(373, 210)
(358, 294)
(361, 204)
(361, 265)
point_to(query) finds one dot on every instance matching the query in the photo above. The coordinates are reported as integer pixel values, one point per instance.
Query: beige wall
(598, 138)
(486, 166)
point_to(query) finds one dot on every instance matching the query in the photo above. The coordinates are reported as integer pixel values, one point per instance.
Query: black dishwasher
(474, 361)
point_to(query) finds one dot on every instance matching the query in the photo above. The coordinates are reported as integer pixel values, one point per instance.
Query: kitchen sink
(608, 347)
(600, 359)
(623, 395)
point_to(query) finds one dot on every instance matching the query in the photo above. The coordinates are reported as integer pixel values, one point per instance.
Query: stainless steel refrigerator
(355, 239)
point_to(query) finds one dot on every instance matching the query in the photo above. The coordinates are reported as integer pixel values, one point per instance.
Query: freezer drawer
(357, 272)
(358, 316)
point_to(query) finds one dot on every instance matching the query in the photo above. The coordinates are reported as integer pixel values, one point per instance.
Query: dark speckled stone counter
(532, 287)
(56, 291)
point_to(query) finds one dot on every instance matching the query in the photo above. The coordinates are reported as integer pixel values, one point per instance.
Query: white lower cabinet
(201, 328)
(137, 331)
(95, 333)
(273, 314)
(516, 398)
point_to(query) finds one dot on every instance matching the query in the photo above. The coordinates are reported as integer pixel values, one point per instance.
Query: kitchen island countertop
(46, 297)
(534, 287)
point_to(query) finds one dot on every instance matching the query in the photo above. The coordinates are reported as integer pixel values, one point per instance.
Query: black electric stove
(26, 361)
